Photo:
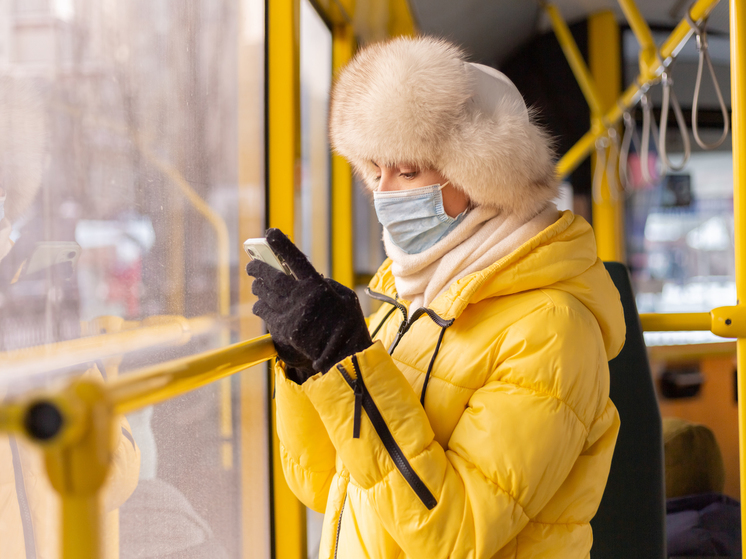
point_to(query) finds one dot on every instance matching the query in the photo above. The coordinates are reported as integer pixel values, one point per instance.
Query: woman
(472, 417)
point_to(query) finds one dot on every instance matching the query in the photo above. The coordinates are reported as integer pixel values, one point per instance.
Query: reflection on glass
(314, 200)
(119, 191)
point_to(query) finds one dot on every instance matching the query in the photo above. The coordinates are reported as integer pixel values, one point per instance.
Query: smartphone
(49, 253)
(259, 249)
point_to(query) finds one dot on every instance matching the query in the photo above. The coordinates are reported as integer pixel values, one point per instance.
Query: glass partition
(131, 136)
(313, 200)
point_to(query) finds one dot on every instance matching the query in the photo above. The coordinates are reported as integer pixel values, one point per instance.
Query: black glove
(317, 318)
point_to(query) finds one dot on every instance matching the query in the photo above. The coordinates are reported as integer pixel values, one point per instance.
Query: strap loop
(601, 168)
(629, 139)
(669, 98)
(648, 126)
(611, 164)
(704, 56)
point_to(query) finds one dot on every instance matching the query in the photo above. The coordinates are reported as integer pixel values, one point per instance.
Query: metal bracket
(729, 322)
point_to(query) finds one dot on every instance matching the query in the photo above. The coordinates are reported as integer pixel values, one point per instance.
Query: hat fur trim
(414, 101)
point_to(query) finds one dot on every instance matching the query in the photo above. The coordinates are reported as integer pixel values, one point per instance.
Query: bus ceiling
(491, 30)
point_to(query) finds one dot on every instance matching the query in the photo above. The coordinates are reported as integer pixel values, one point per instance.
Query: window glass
(130, 172)
(681, 243)
(313, 201)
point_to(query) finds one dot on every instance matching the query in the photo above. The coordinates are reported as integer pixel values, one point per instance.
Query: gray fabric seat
(631, 519)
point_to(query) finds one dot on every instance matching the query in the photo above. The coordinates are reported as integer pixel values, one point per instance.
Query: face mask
(2, 206)
(415, 219)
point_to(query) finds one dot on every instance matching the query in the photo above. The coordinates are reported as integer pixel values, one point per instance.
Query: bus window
(122, 165)
(313, 201)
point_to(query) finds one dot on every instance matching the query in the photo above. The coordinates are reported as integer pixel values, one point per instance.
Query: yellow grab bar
(74, 427)
(648, 52)
(672, 322)
(166, 330)
(575, 59)
(161, 382)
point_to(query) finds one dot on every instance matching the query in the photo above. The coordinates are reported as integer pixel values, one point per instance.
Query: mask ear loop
(704, 56)
(669, 98)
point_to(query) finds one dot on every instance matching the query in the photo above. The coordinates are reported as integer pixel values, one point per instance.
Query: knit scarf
(482, 238)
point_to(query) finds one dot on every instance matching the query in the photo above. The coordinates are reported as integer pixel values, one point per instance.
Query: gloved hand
(315, 317)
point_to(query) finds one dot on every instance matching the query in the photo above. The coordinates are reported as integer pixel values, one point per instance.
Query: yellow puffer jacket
(509, 451)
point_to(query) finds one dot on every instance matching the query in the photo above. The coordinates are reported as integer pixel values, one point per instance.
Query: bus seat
(631, 519)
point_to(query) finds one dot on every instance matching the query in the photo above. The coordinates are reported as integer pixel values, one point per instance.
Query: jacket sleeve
(307, 454)
(512, 448)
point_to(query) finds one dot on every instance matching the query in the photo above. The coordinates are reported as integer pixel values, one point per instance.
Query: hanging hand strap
(611, 164)
(629, 138)
(598, 173)
(648, 126)
(670, 99)
(704, 56)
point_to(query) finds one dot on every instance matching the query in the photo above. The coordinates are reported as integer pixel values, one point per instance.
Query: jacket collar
(487, 283)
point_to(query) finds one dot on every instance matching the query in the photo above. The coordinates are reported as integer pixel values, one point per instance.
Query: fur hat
(418, 101)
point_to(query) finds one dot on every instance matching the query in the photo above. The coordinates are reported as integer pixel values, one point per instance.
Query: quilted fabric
(510, 453)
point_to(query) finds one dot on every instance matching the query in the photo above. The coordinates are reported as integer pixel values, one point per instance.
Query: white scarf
(482, 238)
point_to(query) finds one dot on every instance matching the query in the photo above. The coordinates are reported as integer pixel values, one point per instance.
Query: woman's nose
(386, 182)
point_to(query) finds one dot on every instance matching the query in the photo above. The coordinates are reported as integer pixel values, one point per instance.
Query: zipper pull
(358, 409)
(399, 333)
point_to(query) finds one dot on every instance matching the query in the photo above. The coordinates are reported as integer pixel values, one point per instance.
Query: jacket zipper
(339, 526)
(401, 462)
(407, 322)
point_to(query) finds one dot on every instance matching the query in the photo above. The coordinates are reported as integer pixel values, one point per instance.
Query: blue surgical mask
(415, 219)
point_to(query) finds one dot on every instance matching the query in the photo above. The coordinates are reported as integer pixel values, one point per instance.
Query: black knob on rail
(43, 420)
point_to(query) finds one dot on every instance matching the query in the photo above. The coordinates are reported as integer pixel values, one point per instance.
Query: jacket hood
(562, 257)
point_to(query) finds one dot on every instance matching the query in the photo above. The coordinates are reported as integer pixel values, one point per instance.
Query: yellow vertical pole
(77, 469)
(605, 65)
(738, 119)
(283, 104)
(343, 266)
(400, 21)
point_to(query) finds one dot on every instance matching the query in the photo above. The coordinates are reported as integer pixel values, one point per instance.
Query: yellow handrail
(160, 330)
(575, 59)
(76, 437)
(648, 51)
(672, 322)
(155, 384)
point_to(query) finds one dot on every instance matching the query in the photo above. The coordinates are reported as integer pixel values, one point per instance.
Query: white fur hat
(418, 101)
